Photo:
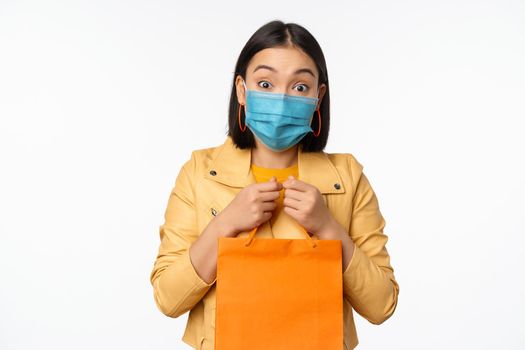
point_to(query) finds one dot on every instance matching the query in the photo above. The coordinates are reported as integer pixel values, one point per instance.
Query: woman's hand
(251, 207)
(305, 204)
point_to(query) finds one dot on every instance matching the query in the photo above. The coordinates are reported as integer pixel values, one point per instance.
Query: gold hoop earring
(239, 118)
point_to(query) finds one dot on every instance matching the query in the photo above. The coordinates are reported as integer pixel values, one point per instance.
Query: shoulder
(347, 164)
(199, 158)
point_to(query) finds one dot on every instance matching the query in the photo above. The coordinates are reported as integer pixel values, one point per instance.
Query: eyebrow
(301, 70)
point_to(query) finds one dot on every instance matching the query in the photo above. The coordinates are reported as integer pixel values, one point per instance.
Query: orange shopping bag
(279, 294)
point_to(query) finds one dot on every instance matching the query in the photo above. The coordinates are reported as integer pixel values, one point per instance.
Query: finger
(293, 193)
(296, 184)
(268, 206)
(292, 203)
(269, 196)
(291, 211)
(266, 216)
(269, 186)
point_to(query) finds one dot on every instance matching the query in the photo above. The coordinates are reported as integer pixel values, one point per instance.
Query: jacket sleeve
(369, 282)
(176, 285)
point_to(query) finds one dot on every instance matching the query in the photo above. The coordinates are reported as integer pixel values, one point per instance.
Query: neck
(264, 157)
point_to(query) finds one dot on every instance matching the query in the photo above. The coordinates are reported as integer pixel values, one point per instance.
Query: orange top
(281, 174)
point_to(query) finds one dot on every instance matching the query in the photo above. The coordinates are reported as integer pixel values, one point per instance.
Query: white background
(101, 102)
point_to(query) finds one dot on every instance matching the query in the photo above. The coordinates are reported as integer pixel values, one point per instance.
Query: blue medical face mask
(279, 121)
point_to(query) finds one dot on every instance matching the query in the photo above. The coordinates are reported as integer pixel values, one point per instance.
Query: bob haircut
(278, 34)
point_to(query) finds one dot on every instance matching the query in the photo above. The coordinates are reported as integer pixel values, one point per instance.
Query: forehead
(285, 60)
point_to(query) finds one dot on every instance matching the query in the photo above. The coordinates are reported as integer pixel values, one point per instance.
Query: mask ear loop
(318, 117)
(239, 112)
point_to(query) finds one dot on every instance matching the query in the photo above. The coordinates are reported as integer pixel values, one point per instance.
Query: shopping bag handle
(252, 234)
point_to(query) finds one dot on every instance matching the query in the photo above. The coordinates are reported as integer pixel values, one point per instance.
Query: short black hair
(274, 34)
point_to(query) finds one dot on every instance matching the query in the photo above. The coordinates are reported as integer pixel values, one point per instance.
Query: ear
(322, 90)
(239, 87)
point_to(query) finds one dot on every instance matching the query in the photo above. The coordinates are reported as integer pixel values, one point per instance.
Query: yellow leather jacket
(207, 183)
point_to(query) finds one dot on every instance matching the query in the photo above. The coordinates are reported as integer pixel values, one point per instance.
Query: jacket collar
(232, 167)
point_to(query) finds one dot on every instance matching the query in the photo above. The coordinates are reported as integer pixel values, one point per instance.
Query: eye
(303, 87)
(266, 83)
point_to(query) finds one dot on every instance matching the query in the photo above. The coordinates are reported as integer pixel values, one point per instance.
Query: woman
(272, 171)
